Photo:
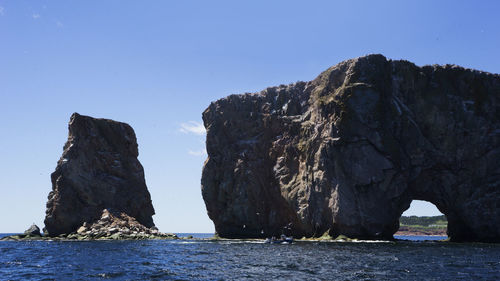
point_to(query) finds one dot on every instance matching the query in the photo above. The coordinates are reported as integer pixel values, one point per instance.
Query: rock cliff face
(98, 170)
(347, 152)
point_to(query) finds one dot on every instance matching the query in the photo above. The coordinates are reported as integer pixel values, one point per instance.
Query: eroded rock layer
(98, 170)
(347, 152)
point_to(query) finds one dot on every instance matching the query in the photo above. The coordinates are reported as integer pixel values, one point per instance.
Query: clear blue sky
(158, 64)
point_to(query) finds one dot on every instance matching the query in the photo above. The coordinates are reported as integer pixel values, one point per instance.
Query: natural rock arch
(347, 152)
(428, 215)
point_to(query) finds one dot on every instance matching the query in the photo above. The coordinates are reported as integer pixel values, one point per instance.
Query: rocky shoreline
(112, 225)
(123, 227)
(171, 236)
(79, 237)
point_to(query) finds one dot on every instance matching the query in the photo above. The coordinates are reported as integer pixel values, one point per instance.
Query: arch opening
(422, 218)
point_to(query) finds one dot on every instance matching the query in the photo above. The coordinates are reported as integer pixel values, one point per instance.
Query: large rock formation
(347, 152)
(98, 170)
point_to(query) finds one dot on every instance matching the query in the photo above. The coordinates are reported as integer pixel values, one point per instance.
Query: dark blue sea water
(247, 260)
(420, 238)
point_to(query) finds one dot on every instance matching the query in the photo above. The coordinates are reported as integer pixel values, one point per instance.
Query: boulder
(81, 229)
(98, 169)
(33, 230)
(346, 153)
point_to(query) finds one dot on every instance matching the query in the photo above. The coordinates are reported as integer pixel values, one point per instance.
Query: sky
(157, 65)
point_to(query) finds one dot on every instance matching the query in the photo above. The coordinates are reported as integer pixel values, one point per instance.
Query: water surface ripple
(240, 260)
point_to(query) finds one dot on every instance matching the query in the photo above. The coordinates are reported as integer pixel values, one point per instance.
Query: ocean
(412, 259)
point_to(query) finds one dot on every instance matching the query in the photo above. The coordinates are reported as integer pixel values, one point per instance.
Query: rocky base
(341, 238)
(116, 225)
(111, 226)
(79, 237)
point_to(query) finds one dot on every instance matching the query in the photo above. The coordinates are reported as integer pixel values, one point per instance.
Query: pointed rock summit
(98, 170)
(346, 153)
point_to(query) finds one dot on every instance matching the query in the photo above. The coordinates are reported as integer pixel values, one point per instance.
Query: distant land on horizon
(422, 225)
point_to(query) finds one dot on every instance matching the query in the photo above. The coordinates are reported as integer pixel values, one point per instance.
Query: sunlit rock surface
(98, 170)
(347, 152)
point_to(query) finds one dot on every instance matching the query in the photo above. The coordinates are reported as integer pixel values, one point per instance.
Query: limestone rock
(99, 169)
(347, 152)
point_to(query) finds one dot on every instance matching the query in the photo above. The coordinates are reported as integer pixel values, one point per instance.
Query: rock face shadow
(346, 153)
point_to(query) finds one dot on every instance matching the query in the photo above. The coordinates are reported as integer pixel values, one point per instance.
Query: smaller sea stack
(98, 170)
